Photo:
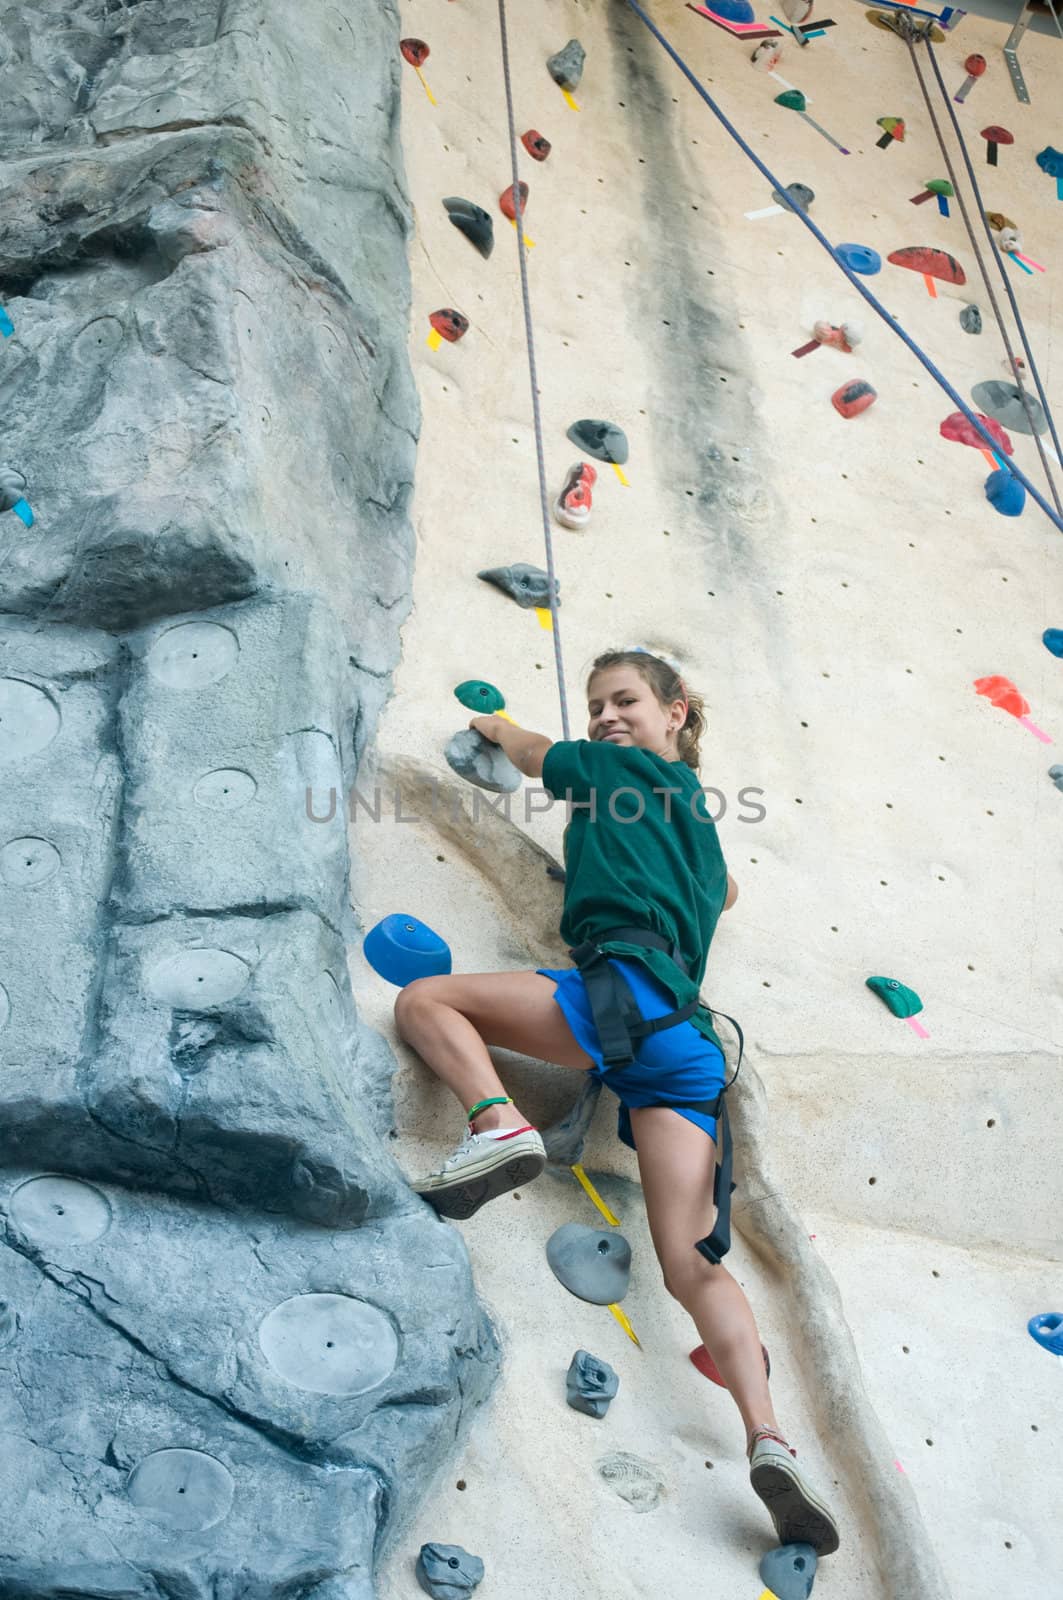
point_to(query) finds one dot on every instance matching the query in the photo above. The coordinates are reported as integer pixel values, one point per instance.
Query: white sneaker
(799, 1515)
(484, 1165)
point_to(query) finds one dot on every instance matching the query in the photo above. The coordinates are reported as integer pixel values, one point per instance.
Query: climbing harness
(619, 1024)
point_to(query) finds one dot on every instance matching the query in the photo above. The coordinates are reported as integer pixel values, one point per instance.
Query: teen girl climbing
(645, 883)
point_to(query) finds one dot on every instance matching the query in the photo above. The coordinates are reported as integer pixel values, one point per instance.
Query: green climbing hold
(792, 99)
(902, 1001)
(940, 186)
(480, 696)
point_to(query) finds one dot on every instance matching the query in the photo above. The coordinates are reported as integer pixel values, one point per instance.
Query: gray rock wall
(233, 1345)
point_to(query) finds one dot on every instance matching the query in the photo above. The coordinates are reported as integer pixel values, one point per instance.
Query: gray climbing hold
(790, 1571)
(1004, 402)
(473, 221)
(528, 586)
(971, 319)
(795, 196)
(1056, 775)
(472, 756)
(566, 68)
(590, 1384)
(593, 1263)
(634, 1480)
(12, 488)
(447, 1572)
(601, 439)
(564, 1140)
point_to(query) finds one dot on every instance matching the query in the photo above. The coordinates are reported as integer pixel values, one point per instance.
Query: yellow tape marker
(506, 715)
(545, 619)
(769, 1594)
(625, 1324)
(575, 107)
(434, 340)
(614, 1222)
(529, 242)
(427, 90)
(620, 474)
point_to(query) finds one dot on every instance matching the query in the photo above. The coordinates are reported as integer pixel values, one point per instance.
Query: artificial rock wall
(233, 1345)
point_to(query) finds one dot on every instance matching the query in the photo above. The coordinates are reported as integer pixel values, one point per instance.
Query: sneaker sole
(464, 1196)
(798, 1516)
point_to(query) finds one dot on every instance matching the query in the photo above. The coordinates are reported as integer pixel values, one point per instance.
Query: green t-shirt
(638, 856)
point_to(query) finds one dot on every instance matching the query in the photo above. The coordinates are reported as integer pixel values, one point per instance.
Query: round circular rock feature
(185, 1490)
(859, 258)
(971, 319)
(1005, 493)
(447, 1572)
(26, 862)
(604, 440)
(481, 762)
(634, 1480)
(402, 948)
(1005, 402)
(790, 1571)
(56, 1210)
(8, 1324)
(225, 789)
(29, 719)
(592, 1263)
(854, 397)
(192, 655)
(97, 341)
(194, 980)
(329, 1344)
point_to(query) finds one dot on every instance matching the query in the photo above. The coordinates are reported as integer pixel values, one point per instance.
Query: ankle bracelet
(482, 1105)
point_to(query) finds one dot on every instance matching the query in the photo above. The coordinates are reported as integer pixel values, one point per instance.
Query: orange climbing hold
(537, 147)
(1002, 693)
(508, 203)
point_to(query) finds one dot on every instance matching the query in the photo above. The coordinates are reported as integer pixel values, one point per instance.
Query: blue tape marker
(943, 205)
(7, 327)
(21, 509)
(817, 33)
(1018, 263)
(1059, 188)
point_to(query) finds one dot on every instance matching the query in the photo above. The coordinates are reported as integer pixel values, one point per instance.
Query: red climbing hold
(708, 1368)
(508, 204)
(854, 397)
(449, 324)
(537, 147)
(957, 428)
(415, 51)
(930, 262)
(572, 508)
(1001, 692)
(994, 135)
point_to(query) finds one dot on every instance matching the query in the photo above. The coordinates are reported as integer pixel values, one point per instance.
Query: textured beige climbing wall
(834, 587)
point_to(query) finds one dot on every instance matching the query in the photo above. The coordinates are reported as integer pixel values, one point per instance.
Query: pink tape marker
(1039, 733)
(1030, 262)
(917, 1027)
(899, 1467)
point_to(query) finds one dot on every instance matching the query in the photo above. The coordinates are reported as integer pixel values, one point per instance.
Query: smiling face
(623, 709)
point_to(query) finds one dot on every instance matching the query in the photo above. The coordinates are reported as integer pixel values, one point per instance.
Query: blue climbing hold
(400, 948)
(860, 258)
(7, 327)
(790, 1571)
(1005, 493)
(1048, 1331)
(1052, 639)
(733, 10)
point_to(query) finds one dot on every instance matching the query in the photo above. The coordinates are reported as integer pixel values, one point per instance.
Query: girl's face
(623, 709)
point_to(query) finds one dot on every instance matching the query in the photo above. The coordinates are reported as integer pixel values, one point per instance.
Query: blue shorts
(676, 1064)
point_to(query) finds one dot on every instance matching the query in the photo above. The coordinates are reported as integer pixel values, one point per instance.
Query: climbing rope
(530, 342)
(876, 305)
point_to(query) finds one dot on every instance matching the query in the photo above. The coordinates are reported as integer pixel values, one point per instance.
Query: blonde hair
(667, 686)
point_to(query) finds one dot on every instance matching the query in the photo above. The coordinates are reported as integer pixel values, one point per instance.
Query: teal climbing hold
(790, 1571)
(7, 327)
(1052, 639)
(401, 949)
(902, 1001)
(480, 696)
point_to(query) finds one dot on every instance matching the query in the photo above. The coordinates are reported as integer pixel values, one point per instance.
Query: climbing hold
(994, 137)
(415, 51)
(601, 439)
(447, 1572)
(473, 221)
(789, 1571)
(401, 949)
(592, 1264)
(767, 55)
(528, 586)
(930, 262)
(1005, 493)
(794, 100)
(1010, 240)
(590, 1384)
(902, 1001)
(997, 220)
(974, 67)
(482, 762)
(572, 508)
(1056, 775)
(1051, 161)
(480, 697)
(449, 324)
(12, 489)
(795, 197)
(537, 147)
(7, 327)
(934, 186)
(1052, 639)
(971, 319)
(708, 1368)
(957, 428)
(843, 338)
(734, 10)
(797, 11)
(893, 129)
(508, 203)
(566, 67)
(853, 397)
(859, 258)
(1007, 403)
(1002, 693)
(1047, 1329)
(565, 1138)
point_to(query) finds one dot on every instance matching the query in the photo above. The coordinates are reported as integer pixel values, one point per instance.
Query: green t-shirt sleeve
(572, 768)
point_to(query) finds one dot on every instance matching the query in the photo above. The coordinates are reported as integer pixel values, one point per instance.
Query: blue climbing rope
(530, 341)
(875, 304)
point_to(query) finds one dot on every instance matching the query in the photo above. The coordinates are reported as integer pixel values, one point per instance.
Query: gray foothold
(590, 1384)
(473, 221)
(184, 1490)
(528, 586)
(472, 756)
(566, 68)
(636, 1481)
(593, 1263)
(971, 319)
(564, 1140)
(447, 1572)
(12, 488)
(795, 196)
(1056, 775)
(1004, 402)
(601, 439)
(790, 1571)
